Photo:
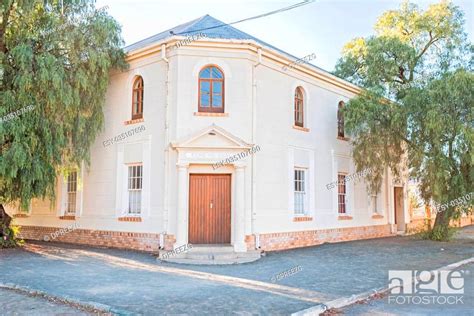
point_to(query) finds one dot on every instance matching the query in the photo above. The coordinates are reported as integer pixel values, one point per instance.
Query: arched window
(299, 107)
(137, 99)
(340, 119)
(211, 90)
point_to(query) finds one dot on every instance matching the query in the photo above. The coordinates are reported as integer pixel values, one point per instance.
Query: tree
(55, 62)
(417, 105)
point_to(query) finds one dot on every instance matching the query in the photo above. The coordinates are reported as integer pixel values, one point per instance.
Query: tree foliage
(417, 105)
(55, 59)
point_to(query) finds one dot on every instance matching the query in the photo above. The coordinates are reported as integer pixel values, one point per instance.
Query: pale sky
(321, 27)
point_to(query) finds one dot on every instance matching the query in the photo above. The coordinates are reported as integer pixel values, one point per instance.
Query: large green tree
(417, 106)
(56, 57)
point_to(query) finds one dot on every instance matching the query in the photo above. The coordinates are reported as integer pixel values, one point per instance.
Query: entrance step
(210, 249)
(211, 255)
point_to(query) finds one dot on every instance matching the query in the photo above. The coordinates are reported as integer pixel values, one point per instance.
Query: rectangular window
(300, 191)
(71, 192)
(341, 194)
(135, 180)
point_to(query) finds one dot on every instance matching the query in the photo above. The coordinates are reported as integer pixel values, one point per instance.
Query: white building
(193, 102)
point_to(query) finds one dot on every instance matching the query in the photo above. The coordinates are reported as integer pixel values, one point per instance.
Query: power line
(251, 18)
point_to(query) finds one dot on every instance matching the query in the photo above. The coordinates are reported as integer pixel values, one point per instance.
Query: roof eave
(277, 56)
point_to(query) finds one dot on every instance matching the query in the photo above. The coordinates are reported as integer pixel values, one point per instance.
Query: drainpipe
(254, 128)
(166, 151)
(388, 192)
(161, 241)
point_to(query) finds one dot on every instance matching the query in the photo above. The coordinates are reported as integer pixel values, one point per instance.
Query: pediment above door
(209, 145)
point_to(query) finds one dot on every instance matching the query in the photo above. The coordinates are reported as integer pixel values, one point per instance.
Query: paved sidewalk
(14, 303)
(136, 283)
(380, 307)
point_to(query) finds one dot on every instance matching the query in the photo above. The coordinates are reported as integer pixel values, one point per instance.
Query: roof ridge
(168, 31)
(193, 22)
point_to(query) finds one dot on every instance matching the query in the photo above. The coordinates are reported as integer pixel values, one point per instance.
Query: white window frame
(128, 211)
(346, 200)
(63, 209)
(121, 197)
(373, 204)
(305, 194)
(73, 184)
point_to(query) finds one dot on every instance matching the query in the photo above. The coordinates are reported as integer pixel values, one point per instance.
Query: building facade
(219, 138)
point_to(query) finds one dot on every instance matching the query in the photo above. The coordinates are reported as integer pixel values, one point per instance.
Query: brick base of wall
(418, 225)
(150, 242)
(463, 221)
(123, 240)
(280, 241)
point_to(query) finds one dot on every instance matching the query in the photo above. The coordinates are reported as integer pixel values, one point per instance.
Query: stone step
(211, 255)
(209, 249)
(218, 255)
(211, 262)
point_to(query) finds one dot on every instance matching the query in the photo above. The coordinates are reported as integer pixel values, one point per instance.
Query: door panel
(209, 209)
(399, 211)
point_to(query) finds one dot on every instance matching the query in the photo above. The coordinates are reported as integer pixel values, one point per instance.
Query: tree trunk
(4, 218)
(7, 235)
(440, 229)
(5, 221)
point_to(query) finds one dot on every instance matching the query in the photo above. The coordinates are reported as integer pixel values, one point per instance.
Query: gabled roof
(214, 28)
(207, 22)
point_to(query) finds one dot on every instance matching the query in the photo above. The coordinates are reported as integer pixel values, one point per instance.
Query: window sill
(344, 217)
(20, 215)
(343, 138)
(130, 219)
(304, 129)
(377, 216)
(68, 217)
(135, 121)
(302, 219)
(211, 114)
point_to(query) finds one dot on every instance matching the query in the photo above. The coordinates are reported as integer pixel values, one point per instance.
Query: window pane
(205, 73)
(205, 86)
(71, 192)
(135, 178)
(216, 73)
(205, 100)
(217, 87)
(217, 100)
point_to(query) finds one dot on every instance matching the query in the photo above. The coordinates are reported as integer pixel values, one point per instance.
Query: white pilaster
(239, 241)
(182, 206)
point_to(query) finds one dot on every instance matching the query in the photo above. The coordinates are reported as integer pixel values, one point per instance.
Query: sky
(321, 27)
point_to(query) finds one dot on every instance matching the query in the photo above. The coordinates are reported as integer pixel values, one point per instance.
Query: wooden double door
(209, 208)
